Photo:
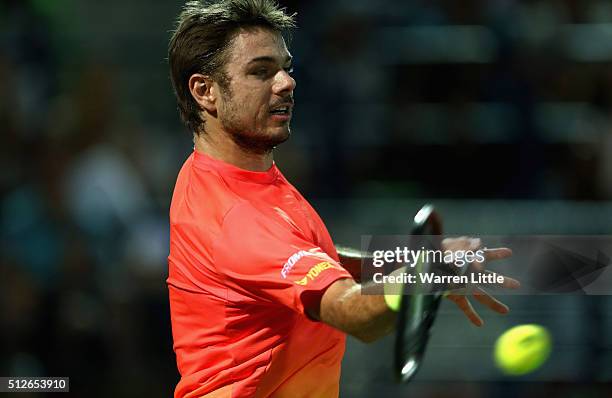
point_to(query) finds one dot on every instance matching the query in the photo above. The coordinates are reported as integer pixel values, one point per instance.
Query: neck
(226, 150)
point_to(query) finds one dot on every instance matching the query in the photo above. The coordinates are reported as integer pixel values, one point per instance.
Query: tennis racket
(418, 308)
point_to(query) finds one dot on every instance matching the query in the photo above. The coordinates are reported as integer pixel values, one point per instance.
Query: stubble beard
(246, 137)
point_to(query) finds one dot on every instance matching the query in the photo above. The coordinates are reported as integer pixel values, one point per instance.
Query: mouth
(282, 109)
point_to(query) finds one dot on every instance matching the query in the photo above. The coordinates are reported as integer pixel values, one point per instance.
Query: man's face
(255, 109)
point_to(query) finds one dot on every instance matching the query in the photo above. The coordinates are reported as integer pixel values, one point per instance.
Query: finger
(466, 307)
(497, 253)
(461, 243)
(474, 244)
(508, 283)
(491, 302)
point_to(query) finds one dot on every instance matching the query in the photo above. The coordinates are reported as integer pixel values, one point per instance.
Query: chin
(284, 135)
(278, 135)
(262, 142)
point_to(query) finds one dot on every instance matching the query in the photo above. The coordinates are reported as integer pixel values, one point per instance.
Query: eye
(289, 69)
(261, 72)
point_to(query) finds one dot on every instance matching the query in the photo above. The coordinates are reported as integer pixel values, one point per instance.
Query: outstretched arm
(367, 317)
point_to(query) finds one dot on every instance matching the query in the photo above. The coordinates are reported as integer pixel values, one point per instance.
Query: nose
(283, 83)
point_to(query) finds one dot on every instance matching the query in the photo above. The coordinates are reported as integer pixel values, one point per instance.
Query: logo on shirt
(291, 261)
(314, 272)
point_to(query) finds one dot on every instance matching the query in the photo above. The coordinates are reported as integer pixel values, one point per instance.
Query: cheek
(256, 96)
(251, 108)
(258, 109)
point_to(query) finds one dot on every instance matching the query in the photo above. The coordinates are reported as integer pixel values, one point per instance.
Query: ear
(203, 92)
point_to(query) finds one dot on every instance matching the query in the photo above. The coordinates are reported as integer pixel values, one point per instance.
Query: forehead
(254, 43)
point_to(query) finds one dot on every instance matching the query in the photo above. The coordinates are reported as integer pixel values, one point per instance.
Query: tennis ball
(522, 349)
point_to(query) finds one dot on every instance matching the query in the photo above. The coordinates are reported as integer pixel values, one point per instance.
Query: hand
(459, 297)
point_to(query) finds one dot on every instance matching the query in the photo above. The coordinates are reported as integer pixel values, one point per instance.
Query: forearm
(365, 317)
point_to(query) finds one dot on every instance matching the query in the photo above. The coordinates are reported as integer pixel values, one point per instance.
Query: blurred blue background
(497, 111)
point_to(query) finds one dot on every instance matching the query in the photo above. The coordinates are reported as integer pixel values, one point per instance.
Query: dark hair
(204, 32)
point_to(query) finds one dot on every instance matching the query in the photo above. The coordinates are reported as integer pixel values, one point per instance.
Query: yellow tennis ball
(522, 349)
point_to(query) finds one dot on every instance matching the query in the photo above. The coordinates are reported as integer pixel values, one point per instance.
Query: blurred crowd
(90, 145)
(83, 238)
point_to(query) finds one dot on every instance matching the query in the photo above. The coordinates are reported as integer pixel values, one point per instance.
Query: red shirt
(247, 254)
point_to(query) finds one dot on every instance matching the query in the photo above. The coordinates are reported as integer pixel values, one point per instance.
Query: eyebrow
(267, 58)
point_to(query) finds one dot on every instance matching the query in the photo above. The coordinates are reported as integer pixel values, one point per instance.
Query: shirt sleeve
(266, 257)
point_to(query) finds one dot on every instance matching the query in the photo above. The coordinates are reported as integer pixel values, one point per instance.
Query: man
(260, 300)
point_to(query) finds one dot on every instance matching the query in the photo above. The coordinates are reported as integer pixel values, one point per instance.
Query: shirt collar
(229, 170)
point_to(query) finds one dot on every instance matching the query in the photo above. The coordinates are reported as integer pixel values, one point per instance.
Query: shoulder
(200, 196)
(248, 218)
